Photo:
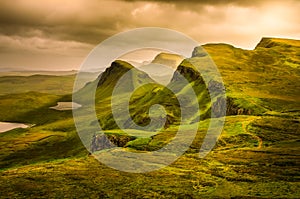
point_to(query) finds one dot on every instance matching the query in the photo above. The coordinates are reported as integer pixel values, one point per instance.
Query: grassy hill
(265, 77)
(256, 156)
(58, 84)
(38, 83)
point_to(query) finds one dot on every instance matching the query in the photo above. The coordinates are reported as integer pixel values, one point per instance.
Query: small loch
(64, 106)
(7, 126)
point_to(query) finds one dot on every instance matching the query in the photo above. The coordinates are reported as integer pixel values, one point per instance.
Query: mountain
(168, 59)
(140, 100)
(262, 80)
(161, 68)
(160, 73)
(146, 96)
(291, 52)
(108, 81)
(266, 60)
(256, 90)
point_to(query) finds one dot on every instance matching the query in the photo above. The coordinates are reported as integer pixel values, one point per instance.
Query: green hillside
(38, 83)
(58, 84)
(258, 83)
(256, 156)
(264, 80)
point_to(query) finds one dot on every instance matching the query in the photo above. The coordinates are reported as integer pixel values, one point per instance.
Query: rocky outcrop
(100, 142)
(199, 52)
(215, 88)
(234, 109)
(220, 105)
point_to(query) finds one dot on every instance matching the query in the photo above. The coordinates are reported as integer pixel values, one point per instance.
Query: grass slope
(38, 83)
(265, 77)
(51, 84)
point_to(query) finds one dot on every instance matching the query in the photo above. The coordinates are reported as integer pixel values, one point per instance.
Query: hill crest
(269, 42)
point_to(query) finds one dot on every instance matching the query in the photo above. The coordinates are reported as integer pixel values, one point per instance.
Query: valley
(256, 156)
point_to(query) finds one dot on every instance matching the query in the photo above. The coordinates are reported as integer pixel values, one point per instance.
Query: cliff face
(213, 90)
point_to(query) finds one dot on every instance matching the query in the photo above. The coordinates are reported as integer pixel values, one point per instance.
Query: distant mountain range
(24, 72)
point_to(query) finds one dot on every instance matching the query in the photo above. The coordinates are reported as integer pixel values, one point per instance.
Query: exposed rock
(220, 105)
(219, 108)
(199, 52)
(103, 141)
(100, 142)
(215, 88)
(233, 109)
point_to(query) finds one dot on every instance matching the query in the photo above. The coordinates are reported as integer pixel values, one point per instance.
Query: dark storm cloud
(68, 23)
(71, 28)
(92, 21)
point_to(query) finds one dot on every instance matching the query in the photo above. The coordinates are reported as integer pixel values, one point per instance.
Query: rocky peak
(199, 52)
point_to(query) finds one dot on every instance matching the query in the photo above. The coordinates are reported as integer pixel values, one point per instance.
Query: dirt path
(244, 126)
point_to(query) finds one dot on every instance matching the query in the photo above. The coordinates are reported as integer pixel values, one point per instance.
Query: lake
(6, 126)
(64, 106)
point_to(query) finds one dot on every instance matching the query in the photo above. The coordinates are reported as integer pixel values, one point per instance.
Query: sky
(58, 35)
(143, 55)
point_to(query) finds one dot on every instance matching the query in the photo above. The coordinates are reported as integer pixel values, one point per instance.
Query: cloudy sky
(58, 35)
